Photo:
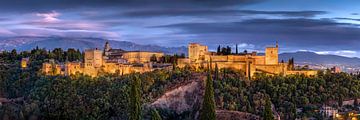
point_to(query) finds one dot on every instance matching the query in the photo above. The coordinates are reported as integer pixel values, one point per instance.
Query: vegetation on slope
(106, 97)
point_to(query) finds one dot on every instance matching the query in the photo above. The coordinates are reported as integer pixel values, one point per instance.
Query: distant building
(109, 60)
(249, 63)
(24, 62)
(328, 111)
(335, 69)
(52, 68)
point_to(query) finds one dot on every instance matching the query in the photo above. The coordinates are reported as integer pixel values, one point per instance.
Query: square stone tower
(93, 58)
(197, 52)
(272, 55)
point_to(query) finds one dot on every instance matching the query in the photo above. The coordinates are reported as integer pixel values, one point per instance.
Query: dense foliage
(287, 93)
(268, 114)
(108, 96)
(78, 96)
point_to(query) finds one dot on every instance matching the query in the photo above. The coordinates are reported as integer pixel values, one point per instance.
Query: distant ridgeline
(27, 43)
(249, 63)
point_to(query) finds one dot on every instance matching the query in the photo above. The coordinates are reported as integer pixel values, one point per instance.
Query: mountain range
(313, 58)
(22, 43)
(27, 43)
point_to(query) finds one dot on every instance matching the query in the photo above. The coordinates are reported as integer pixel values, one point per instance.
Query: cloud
(67, 25)
(65, 33)
(340, 18)
(50, 20)
(291, 33)
(5, 32)
(46, 5)
(219, 12)
(49, 17)
(346, 53)
(4, 19)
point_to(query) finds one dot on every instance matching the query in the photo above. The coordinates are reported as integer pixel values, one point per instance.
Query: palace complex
(109, 60)
(249, 63)
(119, 61)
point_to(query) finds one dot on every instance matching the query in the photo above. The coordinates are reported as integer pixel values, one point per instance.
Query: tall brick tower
(272, 55)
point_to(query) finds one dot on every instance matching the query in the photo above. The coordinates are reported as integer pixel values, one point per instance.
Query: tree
(293, 111)
(155, 115)
(216, 72)
(59, 54)
(218, 50)
(228, 50)
(182, 55)
(153, 58)
(174, 65)
(291, 64)
(135, 102)
(268, 115)
(237, 49)
(208, 106)
(223, 51)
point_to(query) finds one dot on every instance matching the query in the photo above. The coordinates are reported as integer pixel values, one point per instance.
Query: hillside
(187, 98)
(28, 43)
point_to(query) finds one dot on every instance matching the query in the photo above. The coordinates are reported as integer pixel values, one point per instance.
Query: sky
(321, 26)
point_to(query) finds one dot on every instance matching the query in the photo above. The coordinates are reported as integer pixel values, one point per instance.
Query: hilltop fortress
(249, 63)
(109, 60)
(122, 62)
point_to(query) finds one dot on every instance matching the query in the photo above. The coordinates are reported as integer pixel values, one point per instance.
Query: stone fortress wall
(118, 61)
(249, 63)
(109, 60)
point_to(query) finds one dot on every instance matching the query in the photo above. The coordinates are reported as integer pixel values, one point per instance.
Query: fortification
(197, 52)
(248, 63)
(271, 55)
(109, 60)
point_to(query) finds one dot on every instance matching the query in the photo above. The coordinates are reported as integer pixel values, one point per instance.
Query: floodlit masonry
(249, 63)
(109, 60)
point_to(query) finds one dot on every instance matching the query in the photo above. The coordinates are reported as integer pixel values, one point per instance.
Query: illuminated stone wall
(94, 65)
(271, 56)
(302, 72)
(51, 69)
(24, 62)
(141, 56)
(93, 58)
(72, 68)
(197, 52)
(250, 63)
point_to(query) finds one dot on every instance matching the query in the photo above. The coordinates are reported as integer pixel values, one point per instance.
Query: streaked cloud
(346, 53)
(49, 17)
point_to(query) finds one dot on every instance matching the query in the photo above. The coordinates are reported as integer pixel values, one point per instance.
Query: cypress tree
(155, 115)
(237, 49)
(135, 105)
(174, 65)
(208, 106)
(293, 111)
(216, 72)
(268, 115)
(218, 50)
(228, 50)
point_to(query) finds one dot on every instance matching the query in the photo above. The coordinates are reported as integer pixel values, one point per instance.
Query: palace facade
(249, 63)
(108, 60)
